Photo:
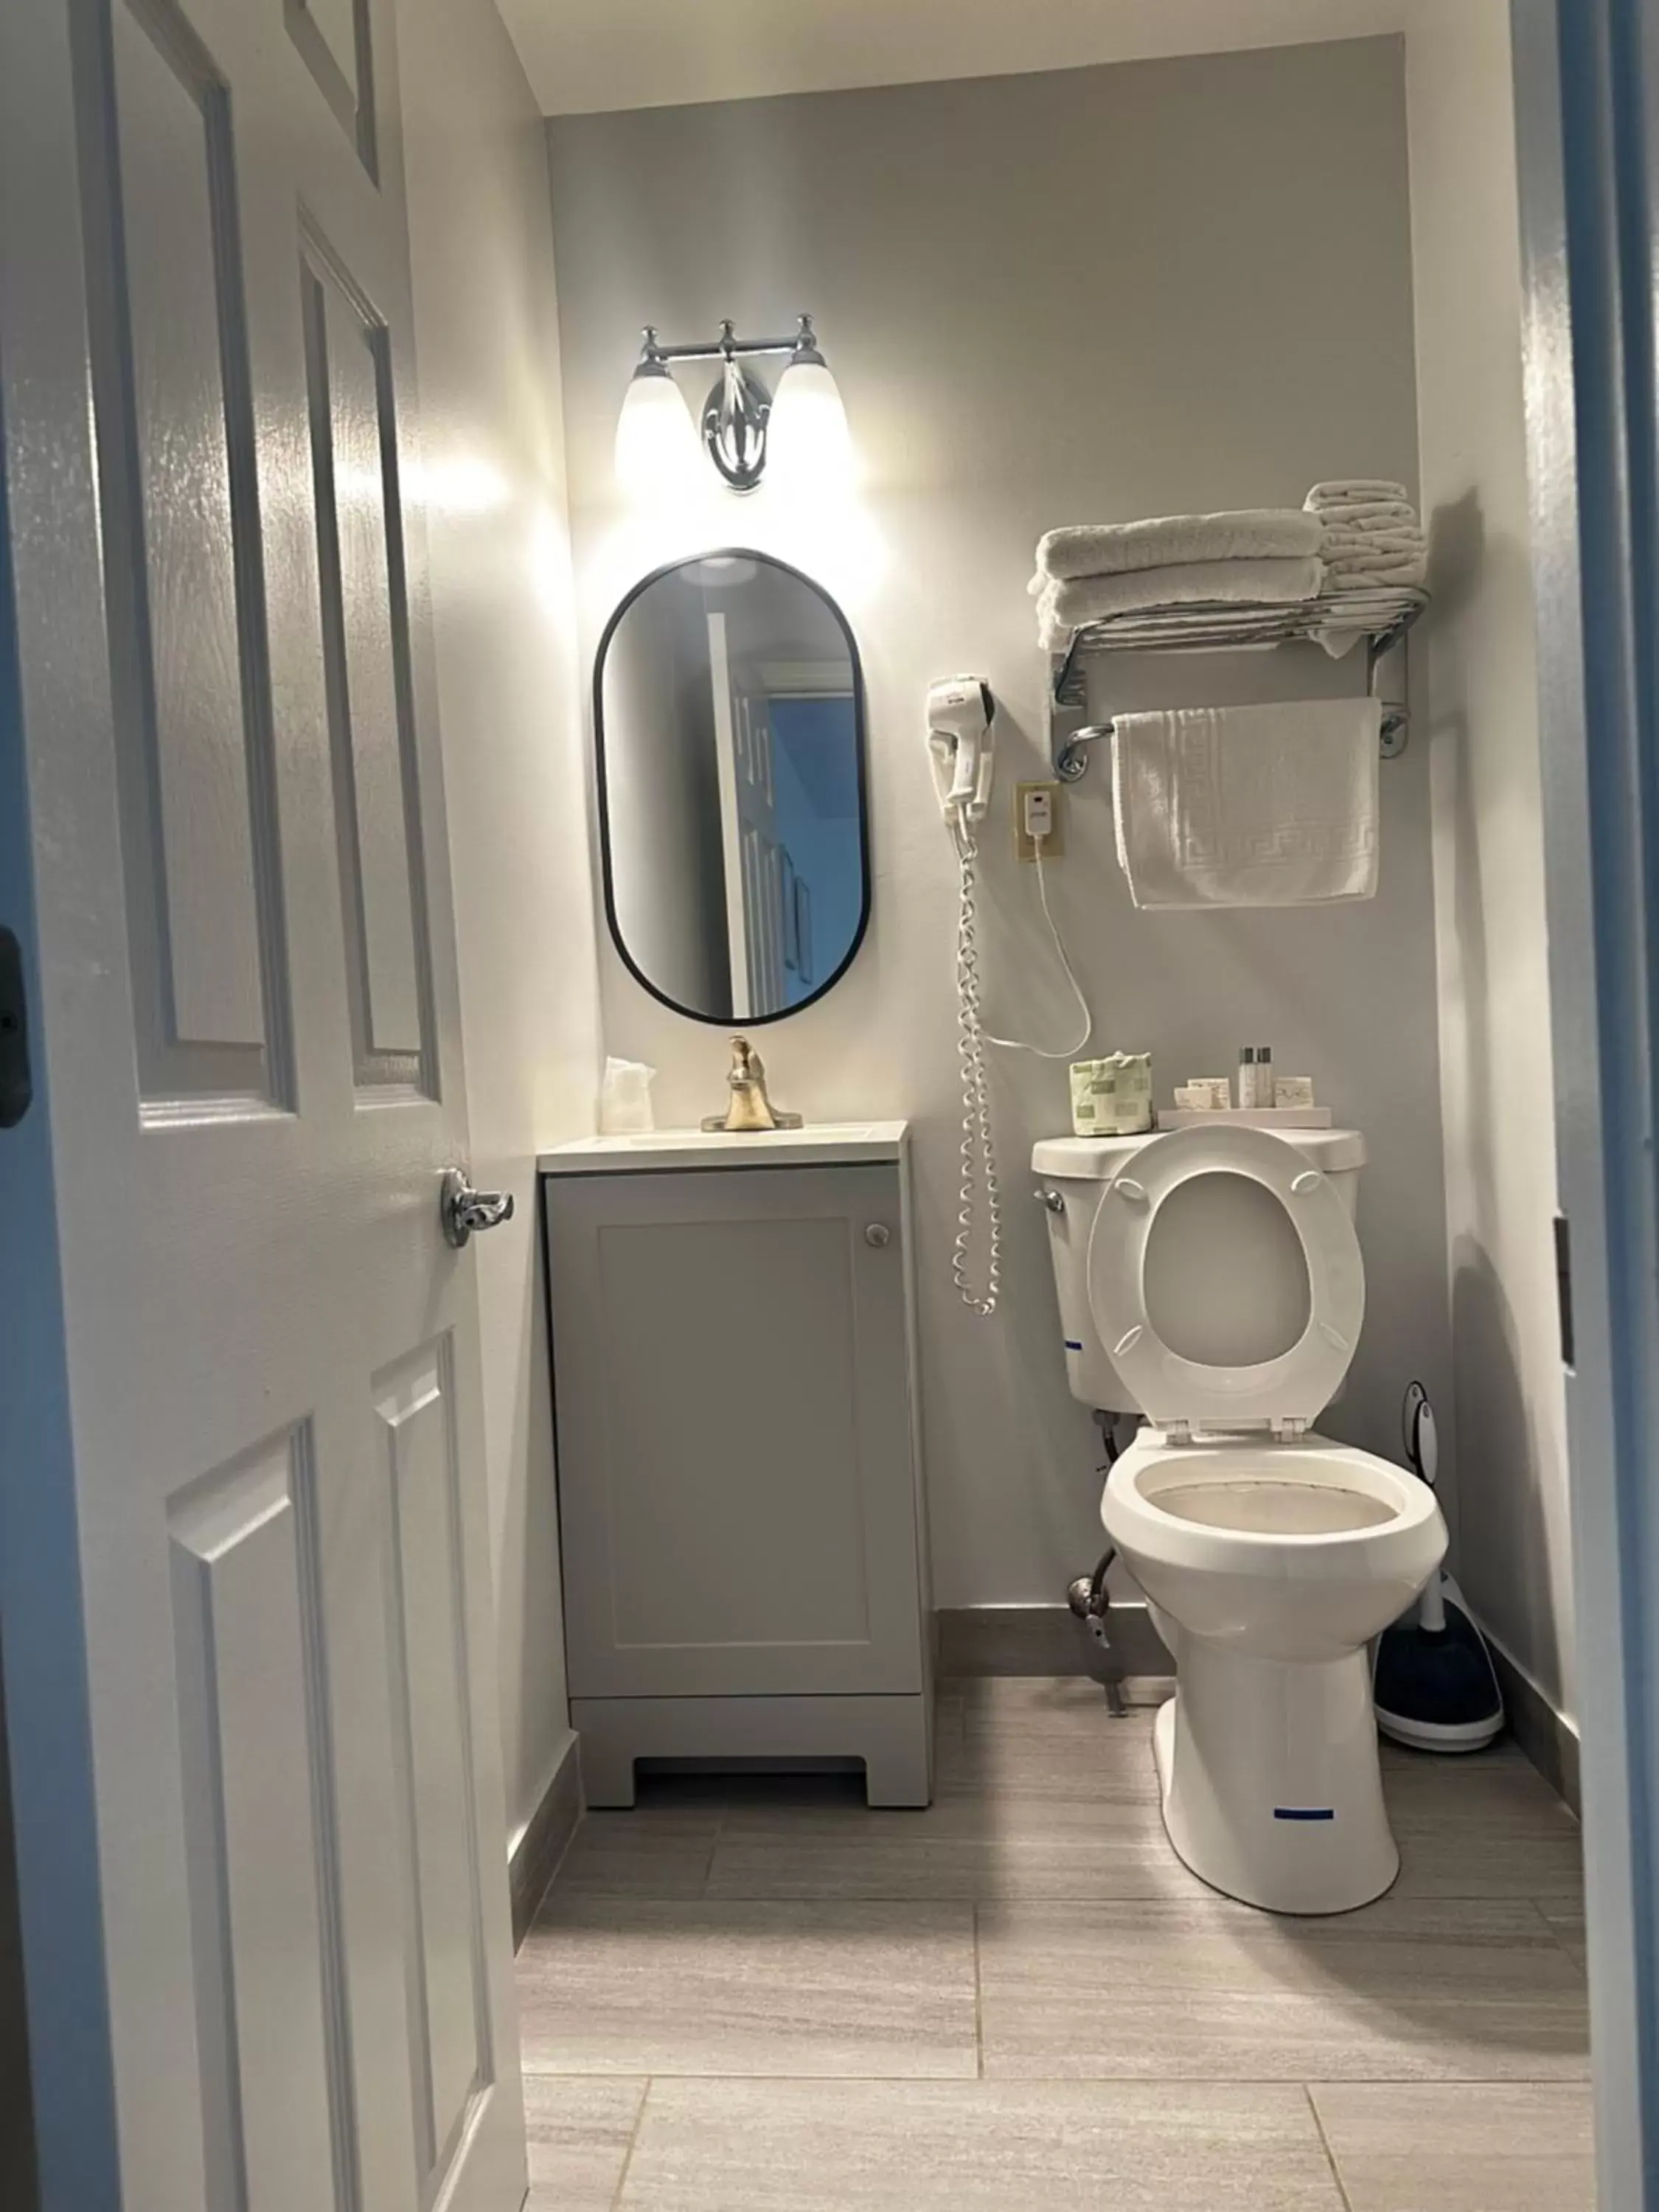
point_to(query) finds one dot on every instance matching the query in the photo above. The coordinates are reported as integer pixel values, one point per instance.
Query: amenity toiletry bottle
(1264, 1075)
(1246, 1076)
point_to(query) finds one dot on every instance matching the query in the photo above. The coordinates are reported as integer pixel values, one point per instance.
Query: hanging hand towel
(1248, 805)
(1115, 548)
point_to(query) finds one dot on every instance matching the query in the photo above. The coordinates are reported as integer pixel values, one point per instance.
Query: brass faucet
(750, 1109)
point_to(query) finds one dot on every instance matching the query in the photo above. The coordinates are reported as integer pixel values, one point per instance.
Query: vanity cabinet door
(736, 1478)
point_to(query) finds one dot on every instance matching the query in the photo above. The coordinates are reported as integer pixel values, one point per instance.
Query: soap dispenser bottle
(1246, 1077)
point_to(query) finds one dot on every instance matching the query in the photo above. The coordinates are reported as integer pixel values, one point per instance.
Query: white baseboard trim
(1549, 1739)
(534, 1853)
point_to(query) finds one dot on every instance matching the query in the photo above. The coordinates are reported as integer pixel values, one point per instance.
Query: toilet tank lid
(1097, 1159)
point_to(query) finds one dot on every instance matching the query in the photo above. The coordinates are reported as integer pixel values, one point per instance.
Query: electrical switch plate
(1054, 845)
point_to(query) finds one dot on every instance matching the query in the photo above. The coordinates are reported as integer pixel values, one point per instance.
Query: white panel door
(244, 1583)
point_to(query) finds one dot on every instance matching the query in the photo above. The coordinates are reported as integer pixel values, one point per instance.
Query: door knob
(877, 1233)
(464, 1209)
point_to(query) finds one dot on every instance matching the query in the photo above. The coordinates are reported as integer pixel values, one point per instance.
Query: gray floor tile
(962, 1846)
(580, 2128)
(1402, 1990)
(1098, 1760)
(620, 1854)
(1487, 1825)
(976, 2147)
(1565, 1915)
(1033, 1706)
(1482, 2147)
(636, 1985)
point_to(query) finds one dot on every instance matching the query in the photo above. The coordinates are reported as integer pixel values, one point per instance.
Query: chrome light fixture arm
(739, 407)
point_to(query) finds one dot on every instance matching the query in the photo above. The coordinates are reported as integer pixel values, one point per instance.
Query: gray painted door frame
(1587, 92)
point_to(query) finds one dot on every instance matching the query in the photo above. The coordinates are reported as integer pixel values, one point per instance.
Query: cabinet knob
(877, 1233)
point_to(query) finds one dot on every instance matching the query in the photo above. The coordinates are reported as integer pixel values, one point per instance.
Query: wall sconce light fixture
(802, 428)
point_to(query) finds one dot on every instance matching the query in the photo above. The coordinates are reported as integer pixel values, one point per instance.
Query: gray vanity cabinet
(739, 1498)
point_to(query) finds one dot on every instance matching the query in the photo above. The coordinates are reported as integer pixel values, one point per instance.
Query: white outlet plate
(1054, 845)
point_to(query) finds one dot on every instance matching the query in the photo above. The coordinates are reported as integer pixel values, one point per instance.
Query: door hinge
(1563, 1287)
(15, 1089)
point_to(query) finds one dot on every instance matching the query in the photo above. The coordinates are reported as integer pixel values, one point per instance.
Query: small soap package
(1205, 1094)
(1112, 1097)
(1293, 1090)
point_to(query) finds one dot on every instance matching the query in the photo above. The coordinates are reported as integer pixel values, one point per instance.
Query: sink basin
(823, 1144)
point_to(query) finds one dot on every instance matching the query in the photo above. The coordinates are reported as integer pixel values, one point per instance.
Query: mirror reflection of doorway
(786, 740)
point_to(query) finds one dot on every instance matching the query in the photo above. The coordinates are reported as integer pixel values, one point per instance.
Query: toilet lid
(1171, 1389)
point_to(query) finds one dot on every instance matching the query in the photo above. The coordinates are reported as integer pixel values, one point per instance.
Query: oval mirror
(729, 714)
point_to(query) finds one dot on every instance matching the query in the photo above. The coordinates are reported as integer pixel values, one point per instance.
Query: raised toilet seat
(1270, 1555)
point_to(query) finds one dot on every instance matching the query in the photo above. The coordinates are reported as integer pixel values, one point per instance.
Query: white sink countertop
(825, 1143)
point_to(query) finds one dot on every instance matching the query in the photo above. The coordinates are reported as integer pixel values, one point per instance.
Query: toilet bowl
(1268, 1567)
(1269, 1555)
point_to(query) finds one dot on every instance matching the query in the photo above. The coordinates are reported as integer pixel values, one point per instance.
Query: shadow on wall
(1457, 541)
(1501, 1522)
(1505, 1562)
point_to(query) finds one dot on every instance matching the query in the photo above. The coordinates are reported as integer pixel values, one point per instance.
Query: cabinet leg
(607, 1770)
(898, 1756)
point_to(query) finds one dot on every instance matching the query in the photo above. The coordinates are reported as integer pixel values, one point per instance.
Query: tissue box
(1112, 1097)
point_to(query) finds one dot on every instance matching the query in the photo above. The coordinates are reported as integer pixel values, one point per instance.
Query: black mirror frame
(656, 576)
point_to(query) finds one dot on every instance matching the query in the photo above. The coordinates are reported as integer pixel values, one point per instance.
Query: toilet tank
(1075, 1171)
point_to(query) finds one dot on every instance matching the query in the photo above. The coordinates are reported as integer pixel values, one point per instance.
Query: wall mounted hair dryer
(961, 719)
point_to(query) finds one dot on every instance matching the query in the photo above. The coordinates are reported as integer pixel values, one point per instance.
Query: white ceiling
(586, 55)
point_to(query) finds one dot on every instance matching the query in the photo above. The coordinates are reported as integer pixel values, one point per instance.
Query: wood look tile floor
(753, 1994)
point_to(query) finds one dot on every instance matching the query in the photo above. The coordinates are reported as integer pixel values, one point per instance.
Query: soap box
(1112, 1097)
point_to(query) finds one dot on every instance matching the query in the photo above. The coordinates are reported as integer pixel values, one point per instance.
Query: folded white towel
(1379, 554)
(1376, 553)
(1352, 607)
(1116, 548)
(1372, 522)
(1368, 521)
(1248, 805)
(1360, 579)
(1063, 607)
(1340, 542)
(1347, 491)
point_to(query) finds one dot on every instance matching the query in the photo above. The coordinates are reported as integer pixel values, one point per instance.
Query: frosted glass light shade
(656, 438)
(807, 440)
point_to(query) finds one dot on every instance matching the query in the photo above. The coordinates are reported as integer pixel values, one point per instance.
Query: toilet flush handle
(1051, 1198)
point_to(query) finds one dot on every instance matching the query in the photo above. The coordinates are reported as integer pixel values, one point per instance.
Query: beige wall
(1097, 294)
(1474, 692)
(487, 356)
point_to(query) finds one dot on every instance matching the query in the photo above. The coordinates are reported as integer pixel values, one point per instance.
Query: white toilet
(1211, 1279)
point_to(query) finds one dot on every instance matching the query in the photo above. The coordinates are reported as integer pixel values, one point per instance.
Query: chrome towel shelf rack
(1383, 618)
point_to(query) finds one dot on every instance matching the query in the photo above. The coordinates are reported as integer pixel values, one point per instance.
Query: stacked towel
(1171, 541)
(1063, 607)
(1376, 557)
(1372, 535)
(1094, 573)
